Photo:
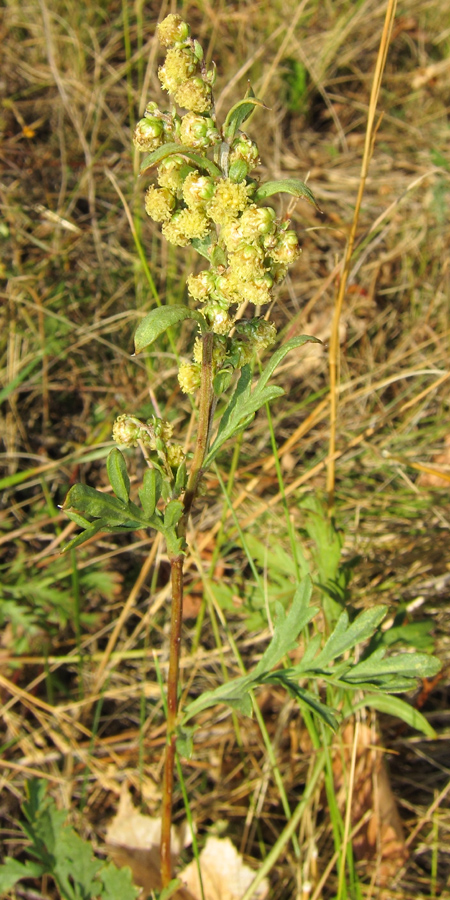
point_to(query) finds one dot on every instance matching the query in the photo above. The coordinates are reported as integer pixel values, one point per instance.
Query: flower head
(172, 30)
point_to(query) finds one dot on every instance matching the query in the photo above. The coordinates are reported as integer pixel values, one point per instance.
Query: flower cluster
(154, 434)
(211, 203)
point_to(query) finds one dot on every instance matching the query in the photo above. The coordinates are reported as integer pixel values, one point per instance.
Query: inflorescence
(248, 246)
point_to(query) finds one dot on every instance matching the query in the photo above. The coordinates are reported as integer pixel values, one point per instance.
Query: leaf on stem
(393, 706)
(172, 149)
(244, 403)
(159, 320)
(286, 186)
(240, 113)
(118, 475)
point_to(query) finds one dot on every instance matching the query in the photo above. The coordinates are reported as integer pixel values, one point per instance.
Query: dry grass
(75, 289)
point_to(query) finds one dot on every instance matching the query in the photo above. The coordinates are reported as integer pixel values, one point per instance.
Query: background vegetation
(81, 704)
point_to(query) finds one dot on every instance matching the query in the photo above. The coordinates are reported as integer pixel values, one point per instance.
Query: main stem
(176, 564)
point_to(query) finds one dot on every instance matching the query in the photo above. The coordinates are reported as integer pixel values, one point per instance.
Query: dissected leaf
(159, 320)
(13, 871)
(86, 535)
(96, 503)
(244, 403)
(232, 693)
(288, 628)
(410, 665)
(345, 636)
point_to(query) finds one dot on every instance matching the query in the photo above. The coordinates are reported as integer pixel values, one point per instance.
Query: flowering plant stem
(206, 405)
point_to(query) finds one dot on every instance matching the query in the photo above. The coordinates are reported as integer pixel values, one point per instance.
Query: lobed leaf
(345, 636)
(410, 665)
(244, 403)
(159, 320)
(288, 627)
(12, 871)
(96, 503)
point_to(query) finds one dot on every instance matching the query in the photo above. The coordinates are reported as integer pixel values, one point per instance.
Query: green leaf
(203, 246)
(12, 871)
(286, 186)
(410, 665)
(96, 503)
(244, 404)
(232, 693)
(172, 149)
(118, 475)
(159, 320)
(168, 892)
(346, 636)
(150, 492)
(393, 706)
(240, 113)
(85, 535)
(288, 627)
(312, 702)
(172, 513)
(79, 520)
(117, 883)
(185, 741)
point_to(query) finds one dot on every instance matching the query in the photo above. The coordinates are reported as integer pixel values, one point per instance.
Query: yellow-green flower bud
(228, 288)
(286, 249)
(148, 134)
(194, 94)
(201, 286)
(219, 319)
(198, 131)
(232, 235)
(184, 226)
(169, 173)
(172, 30)
(244, 350)
(189, 377)
(161, 427)
(197, 189)
(175, 455)
(177, 69)
(246, 150)
(126, 431)
(229, 200)
(219, 351)
(265, 334)
(278, 272)
(257, 222)
(257, 291)
(247, 263)
(159, 204)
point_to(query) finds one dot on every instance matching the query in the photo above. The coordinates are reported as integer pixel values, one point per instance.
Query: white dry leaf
(225, 876)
